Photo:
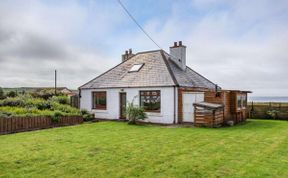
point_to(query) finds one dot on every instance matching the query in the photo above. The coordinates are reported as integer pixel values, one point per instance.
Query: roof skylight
(136, 67)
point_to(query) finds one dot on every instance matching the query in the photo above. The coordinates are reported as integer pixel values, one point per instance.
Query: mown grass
(258, 148)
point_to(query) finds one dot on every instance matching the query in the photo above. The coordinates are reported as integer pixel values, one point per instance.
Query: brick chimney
(127, 55)
(178, 54)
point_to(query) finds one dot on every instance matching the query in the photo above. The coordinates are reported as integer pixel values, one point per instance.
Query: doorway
(122, 105)
(189, 98)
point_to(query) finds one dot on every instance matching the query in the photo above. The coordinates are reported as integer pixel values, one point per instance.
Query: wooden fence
(74, 101)
(259, 110)
(20, 124)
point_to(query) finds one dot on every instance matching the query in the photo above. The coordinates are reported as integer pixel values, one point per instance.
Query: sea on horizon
(283, 99)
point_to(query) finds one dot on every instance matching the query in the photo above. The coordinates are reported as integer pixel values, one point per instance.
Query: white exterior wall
(113, 109)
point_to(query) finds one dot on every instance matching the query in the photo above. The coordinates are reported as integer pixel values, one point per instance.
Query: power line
(131, 16)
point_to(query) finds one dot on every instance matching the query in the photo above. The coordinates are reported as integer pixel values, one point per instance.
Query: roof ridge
(150, 51)
(169, 69)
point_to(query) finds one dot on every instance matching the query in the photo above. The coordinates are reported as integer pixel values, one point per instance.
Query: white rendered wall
(113, 111)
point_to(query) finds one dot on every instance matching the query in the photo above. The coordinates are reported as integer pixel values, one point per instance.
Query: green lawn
(257, 148)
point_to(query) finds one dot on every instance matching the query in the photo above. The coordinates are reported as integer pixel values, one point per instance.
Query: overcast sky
(238, 44)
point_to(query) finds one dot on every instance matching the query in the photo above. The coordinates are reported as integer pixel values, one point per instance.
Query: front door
(189, 99)
(122, 105)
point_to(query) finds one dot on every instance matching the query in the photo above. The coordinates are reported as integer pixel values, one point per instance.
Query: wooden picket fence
(21, 124)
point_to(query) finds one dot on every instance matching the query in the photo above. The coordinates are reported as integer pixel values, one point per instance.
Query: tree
(12, 94)
(2, 96)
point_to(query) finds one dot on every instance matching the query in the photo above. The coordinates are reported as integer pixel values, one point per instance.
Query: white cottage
(156, 80)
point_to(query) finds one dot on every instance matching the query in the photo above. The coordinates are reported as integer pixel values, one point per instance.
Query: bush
(65, 108)
(26, 105)
(38, 103)
(5, 114)
(12, 94)
(84, 111)
(86, 115)
(60, 99)
(135, 113)
(12, 102)
(2, 96)
(56, 116)
(44, 94)
(273, 114)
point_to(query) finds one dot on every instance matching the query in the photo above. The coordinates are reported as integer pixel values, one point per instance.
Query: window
(99, 100)
(239, 101)
(244, 100)
(136, 67)
(150, 100)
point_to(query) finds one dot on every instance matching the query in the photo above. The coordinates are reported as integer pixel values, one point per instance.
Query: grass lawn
(257, 148)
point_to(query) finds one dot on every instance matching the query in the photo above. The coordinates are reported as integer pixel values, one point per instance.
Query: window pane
(135, 67)
(150, 100)
(239, 103)
(99, 100)
(244, 100)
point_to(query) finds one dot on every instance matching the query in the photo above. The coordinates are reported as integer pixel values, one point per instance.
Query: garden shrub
(56, 116)
(135, 113)
(26, 105)
(2, 95)
(60, 99)
(65, 108)
(37, 103)
(5, 114)
(273, 114)
(12, 102)
(44, 94)
(84, 111)
(12, 94)
(86, 115)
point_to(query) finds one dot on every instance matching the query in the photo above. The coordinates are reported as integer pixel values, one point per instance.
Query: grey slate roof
(158, 70)
(189, 78)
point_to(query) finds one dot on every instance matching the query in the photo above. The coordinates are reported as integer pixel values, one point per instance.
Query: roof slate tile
(158, 70)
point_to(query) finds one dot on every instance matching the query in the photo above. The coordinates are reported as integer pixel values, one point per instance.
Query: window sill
(100, 110)
(156, 114)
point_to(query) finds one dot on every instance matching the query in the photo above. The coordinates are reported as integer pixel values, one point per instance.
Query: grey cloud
(30, 46)
(39, 48)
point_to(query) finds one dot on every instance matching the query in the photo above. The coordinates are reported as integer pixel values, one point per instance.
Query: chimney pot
(180, 43)
(175, 44)
(127, 55)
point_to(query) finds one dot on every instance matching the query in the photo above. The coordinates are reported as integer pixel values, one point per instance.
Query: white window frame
(136, 67)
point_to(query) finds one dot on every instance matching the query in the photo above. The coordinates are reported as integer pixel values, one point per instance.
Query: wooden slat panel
(16, 124)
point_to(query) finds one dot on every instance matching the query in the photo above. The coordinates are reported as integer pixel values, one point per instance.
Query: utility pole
(55, 82)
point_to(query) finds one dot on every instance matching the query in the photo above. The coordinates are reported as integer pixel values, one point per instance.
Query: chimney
(178, 54)
(127, 55)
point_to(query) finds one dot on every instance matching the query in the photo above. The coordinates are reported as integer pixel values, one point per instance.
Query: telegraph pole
(55, 82)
